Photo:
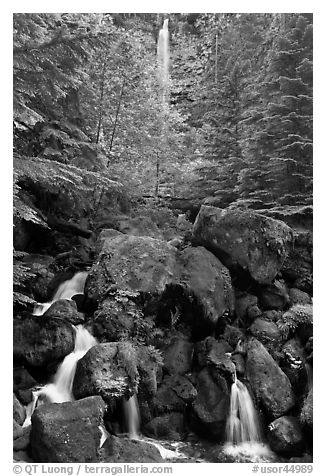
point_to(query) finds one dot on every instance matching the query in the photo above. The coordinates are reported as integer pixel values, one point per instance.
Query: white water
(60, 390)
(66, 290)
(132, 416)
(163, 60)
(243, 431)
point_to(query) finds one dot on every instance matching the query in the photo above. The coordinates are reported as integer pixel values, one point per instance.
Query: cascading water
(132, 417)
(243, 433)
(60, 390)
(66, 290)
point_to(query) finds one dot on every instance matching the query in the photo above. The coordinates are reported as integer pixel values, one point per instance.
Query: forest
(163, 192)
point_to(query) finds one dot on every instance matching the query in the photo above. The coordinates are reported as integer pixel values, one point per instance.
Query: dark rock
(285, 436)
(139, 226)
(17, 430)
(306, 415)
(211, 406)
(272, 315)
(123, 450)
(19, 412)
(213, 352)
(170, 426)
(240, 365)
(306, 458)
(243, 302)
(130, 263)
(298, 297)
(178, 356)
(22, 442)
(270, 385)
(274, 296)
(100, 372)
(268, 334)
(298, 267)
(182, 386)
(39, 340)
(204, 277)
(244, 238)
(176, 242)
(22, 456)
(293, 365)
(174, 394)
(232, 335)
(253, 312)
(64, 309)
(22, 379)
(43, 266)
(67, 432)
(146, 266)
(25, 396)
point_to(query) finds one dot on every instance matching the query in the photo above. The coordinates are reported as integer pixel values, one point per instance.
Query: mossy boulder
(245, 239)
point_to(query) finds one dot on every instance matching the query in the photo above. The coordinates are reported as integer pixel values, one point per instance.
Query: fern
(294, 317)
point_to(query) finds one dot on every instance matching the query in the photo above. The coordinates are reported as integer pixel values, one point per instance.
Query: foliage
(297, 315)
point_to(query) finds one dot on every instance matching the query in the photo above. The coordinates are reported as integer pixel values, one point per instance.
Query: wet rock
(64, 309)
(170, 426)
(285, 436)
(298, 297)
(240, 364)
(298, 267)
(204, 277)
(102, 371)
(22, 379)
(306, 414)
(272, 315)
(19, 412)
(174, 394)
(293, 365)
(247, 239)
(149, 267)
(40, 340)
(22, 442)
(116, 369)
(17, 430)
(253, 312)
(43, 267)
(211, 406)
(212, 352)
(25, 396)
(22, 456)
(268, 334)
(270, 385)
(67, 432)
(274, 296)
(178, 356)
(182, 386)
(243, 302)
(123, 450)
(130, 263)
(139, 226)
(232, 335)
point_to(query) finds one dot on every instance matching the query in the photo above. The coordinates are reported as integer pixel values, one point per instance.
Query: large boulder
(268, 334)
(170, 426)
(215, 354)
(244, 238)
(306, 414)
(22, 379)
(298, 266)
(67, 432)
(139, 226)
(65, 309)
(153, 270)
(130, 263)
(178, 356)
(274, 296)
(116, 369)
(40, 340)
(124, 450)
(285, 436)
(210, 408)
(19, 412)
(270, 385)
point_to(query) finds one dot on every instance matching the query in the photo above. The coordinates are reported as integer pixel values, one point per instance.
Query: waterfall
(60, 390)
(243, 433)
(242, 424)
(163, 60)
(132, 416)
(66, 290)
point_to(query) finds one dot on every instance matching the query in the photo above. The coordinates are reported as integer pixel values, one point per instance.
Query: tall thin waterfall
(132, 416)
(163, 61)
(66, 290)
